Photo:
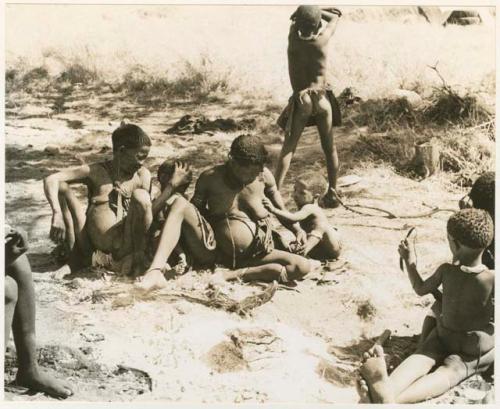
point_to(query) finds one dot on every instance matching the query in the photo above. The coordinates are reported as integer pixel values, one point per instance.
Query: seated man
(20, 316)
(120, 210)
(323, 240)
(230, 196)
(463, 341)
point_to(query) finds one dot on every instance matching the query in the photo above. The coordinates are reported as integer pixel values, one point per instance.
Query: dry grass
(241, 47)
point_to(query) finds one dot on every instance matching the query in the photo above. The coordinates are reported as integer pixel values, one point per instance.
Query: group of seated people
(228, 222)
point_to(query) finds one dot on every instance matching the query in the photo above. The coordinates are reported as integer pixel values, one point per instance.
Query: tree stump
(426, 159)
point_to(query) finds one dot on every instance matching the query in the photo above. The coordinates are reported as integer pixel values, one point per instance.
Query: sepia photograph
(249, 204)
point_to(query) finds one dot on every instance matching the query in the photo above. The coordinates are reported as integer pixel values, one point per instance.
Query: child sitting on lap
(323, 240)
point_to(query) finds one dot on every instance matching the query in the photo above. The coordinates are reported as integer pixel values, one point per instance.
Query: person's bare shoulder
(144, 172)
(210, 177)
(268, 177)
(315, 211)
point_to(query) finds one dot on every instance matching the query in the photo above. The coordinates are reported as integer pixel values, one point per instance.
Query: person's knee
(455, 369)
(298, 268)
(11, 291)
(179, 205)
(142, 198)
(64, 189)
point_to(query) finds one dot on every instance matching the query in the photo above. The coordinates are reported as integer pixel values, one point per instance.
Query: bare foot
(363, 392)
(39, 381)
(152, 280)
(374, 372)
(62, 272)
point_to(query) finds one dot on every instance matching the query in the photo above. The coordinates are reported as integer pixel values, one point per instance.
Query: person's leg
(77, 241)
(301, 114)
(325, 129)
(10, 306)
(135, 231)
(454, 370)
(23, 327)
(384, 388)
(297, 267)
(329, 247)
(182, 219)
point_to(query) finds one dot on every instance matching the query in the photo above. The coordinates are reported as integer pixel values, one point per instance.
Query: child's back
(467, 298)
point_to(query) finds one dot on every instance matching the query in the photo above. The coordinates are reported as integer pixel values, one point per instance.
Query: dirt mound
(198, 125)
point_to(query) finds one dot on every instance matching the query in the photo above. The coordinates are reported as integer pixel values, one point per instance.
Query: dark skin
(99, 227)
(20, 316)
(238, 189)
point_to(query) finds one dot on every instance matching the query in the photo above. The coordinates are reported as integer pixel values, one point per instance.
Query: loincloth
(472, 343)
(109, 263)
(262, 243)
(285, 119)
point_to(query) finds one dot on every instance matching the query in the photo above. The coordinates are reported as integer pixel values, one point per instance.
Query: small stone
(52, 150)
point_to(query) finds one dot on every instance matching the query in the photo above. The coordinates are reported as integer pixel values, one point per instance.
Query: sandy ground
(303, 346)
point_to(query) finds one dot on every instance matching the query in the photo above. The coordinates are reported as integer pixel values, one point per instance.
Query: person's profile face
(301, 195)
(132, 159)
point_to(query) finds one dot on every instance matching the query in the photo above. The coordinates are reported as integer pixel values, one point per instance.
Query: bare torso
(226, 201)
(102, 221)
(467, 299)
(316, 221)
(307, 61)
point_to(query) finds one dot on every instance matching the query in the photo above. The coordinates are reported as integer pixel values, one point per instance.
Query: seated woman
(120, 209)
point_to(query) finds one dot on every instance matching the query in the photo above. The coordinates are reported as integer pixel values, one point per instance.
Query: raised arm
(421, 287)
(182, 174)
(331, 16)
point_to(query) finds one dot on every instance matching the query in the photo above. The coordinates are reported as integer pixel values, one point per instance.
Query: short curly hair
(166, 169)
(472, 228)
(482, 193)
(129, 136)
(314, 183)
(249, 149)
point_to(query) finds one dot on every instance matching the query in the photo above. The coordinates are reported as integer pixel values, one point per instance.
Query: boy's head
(308, 189)
(131, 145)
(164, 174)
(482, 193)
(247, 157)
(469, 231)
(308, 20)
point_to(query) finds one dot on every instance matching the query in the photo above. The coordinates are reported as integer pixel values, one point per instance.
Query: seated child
(178, 229)
(462, 343)
(323, 241)
(20, 316)
(312, 101)
(481, 196)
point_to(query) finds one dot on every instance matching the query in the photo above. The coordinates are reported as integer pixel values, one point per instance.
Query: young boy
(120, 210)
(20, 316)
(312, 102)
(481, 196)
(230, 197)
(178, 228)
(462, 343)
(323, 241)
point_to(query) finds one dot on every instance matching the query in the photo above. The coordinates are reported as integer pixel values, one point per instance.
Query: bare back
(467, 299)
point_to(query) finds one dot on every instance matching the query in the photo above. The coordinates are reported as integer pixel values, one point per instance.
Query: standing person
(312, 102)
(20, 315)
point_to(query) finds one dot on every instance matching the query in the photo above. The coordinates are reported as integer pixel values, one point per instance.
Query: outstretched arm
(286, 215)
(272, 193)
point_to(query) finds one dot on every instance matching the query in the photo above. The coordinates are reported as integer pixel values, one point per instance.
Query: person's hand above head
(182, 174)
